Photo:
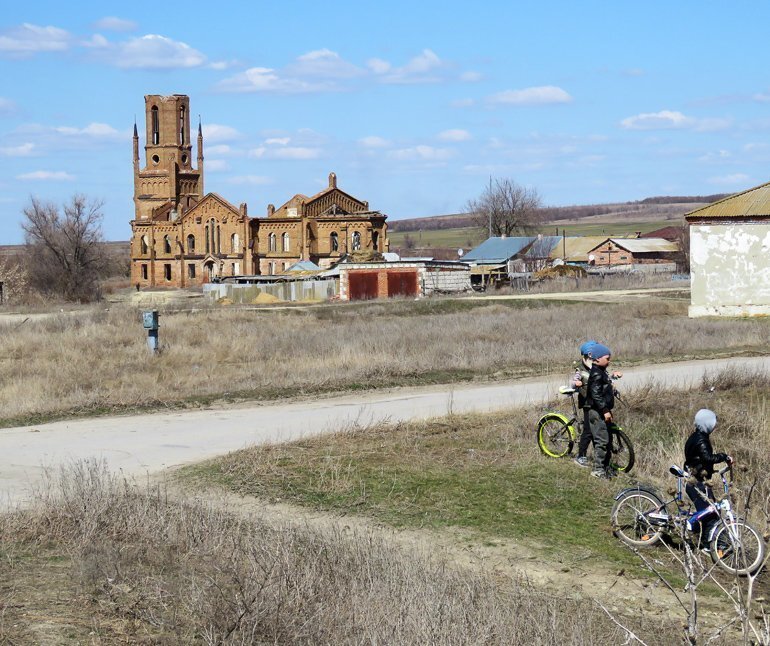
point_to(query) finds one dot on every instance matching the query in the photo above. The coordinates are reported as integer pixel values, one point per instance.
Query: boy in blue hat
(580, 381)
(601, 401)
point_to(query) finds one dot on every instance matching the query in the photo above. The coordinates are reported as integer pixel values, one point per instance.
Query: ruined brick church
(183, 237)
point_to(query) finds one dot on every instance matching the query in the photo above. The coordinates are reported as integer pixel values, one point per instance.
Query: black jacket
(601, 395)
(699, 457)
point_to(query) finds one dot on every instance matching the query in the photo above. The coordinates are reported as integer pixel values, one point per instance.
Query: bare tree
(506, 208)
(67, 249)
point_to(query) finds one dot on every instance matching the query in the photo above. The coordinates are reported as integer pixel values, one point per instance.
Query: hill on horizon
(658, 208)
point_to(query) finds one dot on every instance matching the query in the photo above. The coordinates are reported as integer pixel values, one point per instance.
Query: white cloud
(6, 106)
(23, 150)
(99, 130)
(471, 77)
(422, 153)
(462, 103)
(540, 95)
(112, 23)
(426, 67)
(47, 175)
(278, 141)
(672, 120)
(285, 152)
(734, 179)
(217, 165)
(29, 39)
(762, 97)
(323, 63)
(221, 149)
(373, 141)
(266, 79)
(378, 66)
(214, 132)
(719, 155)
(455, 135)
(254, 180)
(149, 52)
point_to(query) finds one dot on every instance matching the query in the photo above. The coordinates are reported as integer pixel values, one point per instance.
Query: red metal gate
(362, 286)
(402, 283)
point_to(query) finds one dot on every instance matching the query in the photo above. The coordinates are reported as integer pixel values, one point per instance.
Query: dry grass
(144, 569)
(97, 361)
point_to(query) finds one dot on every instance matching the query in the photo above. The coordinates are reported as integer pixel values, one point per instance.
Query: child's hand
(577, 383)
(616, 375)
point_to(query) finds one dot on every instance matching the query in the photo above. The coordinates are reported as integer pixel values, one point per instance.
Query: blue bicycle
(640, 518)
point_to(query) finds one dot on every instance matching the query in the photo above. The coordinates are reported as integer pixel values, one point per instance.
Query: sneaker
(582, 461)
(600, 473)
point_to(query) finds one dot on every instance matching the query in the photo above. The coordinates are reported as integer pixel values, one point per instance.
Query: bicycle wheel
(621, 450)
(555, 435)
(738, 548)
(639, 518)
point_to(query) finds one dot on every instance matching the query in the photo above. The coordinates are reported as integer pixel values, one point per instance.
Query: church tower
(168, 177)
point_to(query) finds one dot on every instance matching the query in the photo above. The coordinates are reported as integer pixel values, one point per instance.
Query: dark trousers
(601, 437)
(706, 516)
(585, 436)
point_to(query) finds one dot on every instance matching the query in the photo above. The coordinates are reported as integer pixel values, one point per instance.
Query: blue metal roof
(497, 250)
(303, 265)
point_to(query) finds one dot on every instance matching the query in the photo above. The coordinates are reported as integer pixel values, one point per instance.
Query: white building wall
(730, 269)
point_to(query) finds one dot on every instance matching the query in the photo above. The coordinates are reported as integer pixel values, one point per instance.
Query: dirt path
(145, 444)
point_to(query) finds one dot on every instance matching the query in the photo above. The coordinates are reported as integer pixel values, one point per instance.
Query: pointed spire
(200, 127)
(136, 146)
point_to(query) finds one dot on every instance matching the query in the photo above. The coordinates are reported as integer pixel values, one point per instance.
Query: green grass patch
(463, 472)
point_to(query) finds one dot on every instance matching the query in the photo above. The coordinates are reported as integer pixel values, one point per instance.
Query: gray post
(151, 324)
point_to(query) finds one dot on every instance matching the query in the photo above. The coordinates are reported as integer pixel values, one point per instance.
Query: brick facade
(183, 238)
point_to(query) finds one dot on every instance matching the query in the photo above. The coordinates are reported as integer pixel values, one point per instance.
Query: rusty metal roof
(754, 202)
(645, 245)
(576, 248)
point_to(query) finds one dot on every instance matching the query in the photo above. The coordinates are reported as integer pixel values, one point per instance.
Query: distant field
(469, 237)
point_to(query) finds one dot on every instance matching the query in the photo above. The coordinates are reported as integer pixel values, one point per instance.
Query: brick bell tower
(168, 174)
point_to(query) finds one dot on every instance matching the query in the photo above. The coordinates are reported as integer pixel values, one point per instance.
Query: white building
(730, 255)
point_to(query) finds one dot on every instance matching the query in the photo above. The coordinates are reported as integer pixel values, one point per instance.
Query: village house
(730, 255)
(183, 237)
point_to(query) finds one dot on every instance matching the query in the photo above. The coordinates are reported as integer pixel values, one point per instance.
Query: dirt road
(145, 444)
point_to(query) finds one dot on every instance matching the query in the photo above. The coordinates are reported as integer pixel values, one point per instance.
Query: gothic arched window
(145, 245)
(334, 242)
(285, 242)
(356, 241)
(181, 126)
(166, 244)
(191, 243)
(155, 125)
(271, 242)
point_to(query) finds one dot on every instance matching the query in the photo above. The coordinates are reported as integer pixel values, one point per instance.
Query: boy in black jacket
(601, 399)
(699, 459)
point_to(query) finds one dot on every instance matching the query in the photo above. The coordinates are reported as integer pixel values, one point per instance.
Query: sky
(414, 105)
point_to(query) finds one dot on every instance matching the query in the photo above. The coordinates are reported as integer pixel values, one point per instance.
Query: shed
(730, 255)
(630, 251)
(415, 278)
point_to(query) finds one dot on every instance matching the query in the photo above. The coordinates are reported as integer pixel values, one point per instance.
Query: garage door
(402, 283)
(362, 286)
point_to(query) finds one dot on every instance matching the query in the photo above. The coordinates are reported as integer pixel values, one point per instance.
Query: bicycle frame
(661, 518)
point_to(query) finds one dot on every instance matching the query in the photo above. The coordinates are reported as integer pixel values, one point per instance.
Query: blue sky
(413, 105)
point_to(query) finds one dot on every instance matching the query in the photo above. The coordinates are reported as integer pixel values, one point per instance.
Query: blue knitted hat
(599, 350)
(585, 349)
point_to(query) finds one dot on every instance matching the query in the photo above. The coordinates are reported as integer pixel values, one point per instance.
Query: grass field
(97, 362)
(467, 238)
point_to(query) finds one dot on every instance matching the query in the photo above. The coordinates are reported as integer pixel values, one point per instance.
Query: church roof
(754, 202)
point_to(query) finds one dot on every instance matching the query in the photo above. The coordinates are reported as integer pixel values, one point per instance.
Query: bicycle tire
(622, 455)
(630, 518)
(749, 555)
(555, 435)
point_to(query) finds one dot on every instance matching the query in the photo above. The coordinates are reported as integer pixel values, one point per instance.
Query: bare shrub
(192, 573)
(67, 250)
